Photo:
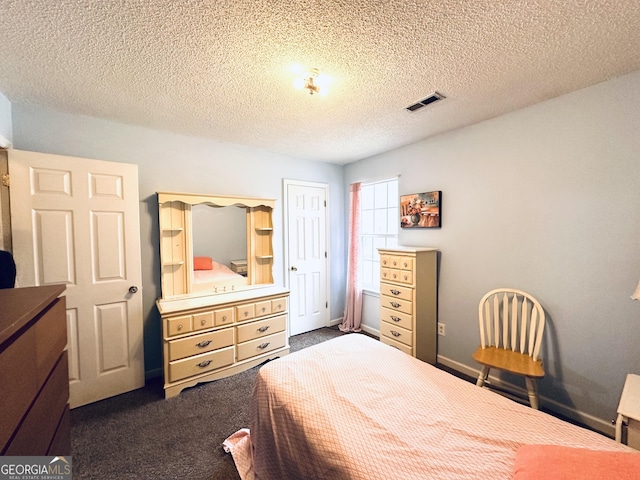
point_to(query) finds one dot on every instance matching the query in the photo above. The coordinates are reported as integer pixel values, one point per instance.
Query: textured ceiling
(221, 69)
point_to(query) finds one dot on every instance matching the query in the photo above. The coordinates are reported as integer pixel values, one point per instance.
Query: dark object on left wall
(7, 270)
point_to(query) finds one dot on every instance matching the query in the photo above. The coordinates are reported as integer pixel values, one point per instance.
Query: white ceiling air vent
(434, 97)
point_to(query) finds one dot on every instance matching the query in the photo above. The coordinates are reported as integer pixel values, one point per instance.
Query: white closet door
(307, 256)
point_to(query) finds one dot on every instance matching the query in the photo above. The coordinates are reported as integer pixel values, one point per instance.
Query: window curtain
(353, 309)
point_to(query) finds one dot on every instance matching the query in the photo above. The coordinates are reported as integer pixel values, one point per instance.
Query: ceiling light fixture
(312, 81)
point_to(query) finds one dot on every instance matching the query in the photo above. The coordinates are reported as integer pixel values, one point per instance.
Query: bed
(354, 408)
(207, 270)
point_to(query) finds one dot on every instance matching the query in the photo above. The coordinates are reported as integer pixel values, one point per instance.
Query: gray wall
(175, 163)
(545, 200)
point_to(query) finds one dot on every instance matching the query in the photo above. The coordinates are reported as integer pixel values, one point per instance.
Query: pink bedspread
(354, 408)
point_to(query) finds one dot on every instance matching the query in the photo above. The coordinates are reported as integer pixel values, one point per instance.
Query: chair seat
(509, 361)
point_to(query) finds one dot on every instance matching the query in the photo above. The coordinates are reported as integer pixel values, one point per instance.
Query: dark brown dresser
(34, 377)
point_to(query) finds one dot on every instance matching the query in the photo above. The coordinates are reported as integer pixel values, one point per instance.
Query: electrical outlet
(441, 330)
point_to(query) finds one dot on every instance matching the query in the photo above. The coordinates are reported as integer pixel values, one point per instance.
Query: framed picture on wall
(421, 210)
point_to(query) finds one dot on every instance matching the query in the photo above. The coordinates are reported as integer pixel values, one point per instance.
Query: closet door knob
(133, 289)
(294, 269)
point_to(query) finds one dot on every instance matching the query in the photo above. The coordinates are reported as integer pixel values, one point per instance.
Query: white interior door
(307, 256)
(76, 221)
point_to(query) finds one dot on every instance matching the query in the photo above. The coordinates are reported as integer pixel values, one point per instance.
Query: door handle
(133, 289)
(294, 269)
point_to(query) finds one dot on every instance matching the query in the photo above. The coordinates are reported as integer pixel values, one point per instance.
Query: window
(378, 227)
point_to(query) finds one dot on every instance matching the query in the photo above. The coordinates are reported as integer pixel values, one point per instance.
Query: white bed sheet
(354, 408)
(218, 273)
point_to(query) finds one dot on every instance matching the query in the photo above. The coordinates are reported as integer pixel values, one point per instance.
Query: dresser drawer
(51, 338)
(19, 374)
(179, 325)
(396, 275)
(400, 346)
(397, 261)
(61, 442)
(39, 425)
(393, 317)
(396, 304)
(223, 316)
(396, 291)
(261, 328)
(202, 320)
(385, 273)
(405, 263)
(196, 344)
(279, 305)
(245, 312)
(402, 276)
(205, 362)
(261, 345)
(394, 332)
(385, 261)
(263, 308)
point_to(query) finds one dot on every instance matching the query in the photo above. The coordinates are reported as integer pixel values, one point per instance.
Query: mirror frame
(176, 243)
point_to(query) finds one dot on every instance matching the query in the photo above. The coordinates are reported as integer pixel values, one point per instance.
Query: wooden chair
(511, 328)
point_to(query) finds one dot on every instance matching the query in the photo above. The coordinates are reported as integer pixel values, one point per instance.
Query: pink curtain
(353, 308)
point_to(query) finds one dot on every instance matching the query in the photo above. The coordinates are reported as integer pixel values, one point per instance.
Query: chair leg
(532, 390)
(484, 373)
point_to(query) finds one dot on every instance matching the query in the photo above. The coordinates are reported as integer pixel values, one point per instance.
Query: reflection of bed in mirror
(207, 270)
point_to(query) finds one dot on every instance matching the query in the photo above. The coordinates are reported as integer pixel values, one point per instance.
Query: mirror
(214, 244)
(219, 243)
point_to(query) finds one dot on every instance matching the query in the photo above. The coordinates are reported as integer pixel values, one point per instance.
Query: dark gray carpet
(141, 435)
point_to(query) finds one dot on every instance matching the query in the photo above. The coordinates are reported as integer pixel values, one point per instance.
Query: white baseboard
(365, 328)
(370, 330)
(595, 423)
(335, 321)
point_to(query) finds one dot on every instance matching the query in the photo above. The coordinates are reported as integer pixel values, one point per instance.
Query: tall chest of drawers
(211, 337)
(34, 377)
(409, 300)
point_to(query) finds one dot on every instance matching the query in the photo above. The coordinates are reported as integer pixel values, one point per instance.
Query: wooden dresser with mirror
(218, 321)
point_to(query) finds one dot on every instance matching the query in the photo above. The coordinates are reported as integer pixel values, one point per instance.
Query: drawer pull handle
(264, 309)
(263, 329)
(224, 318)
(203, 322)
(263, 345)
(203, 344)
(395, 292)
(395, 304)
(394, 333)
(179, 327)
(206, 363)
(395, 319)
(246, 314)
